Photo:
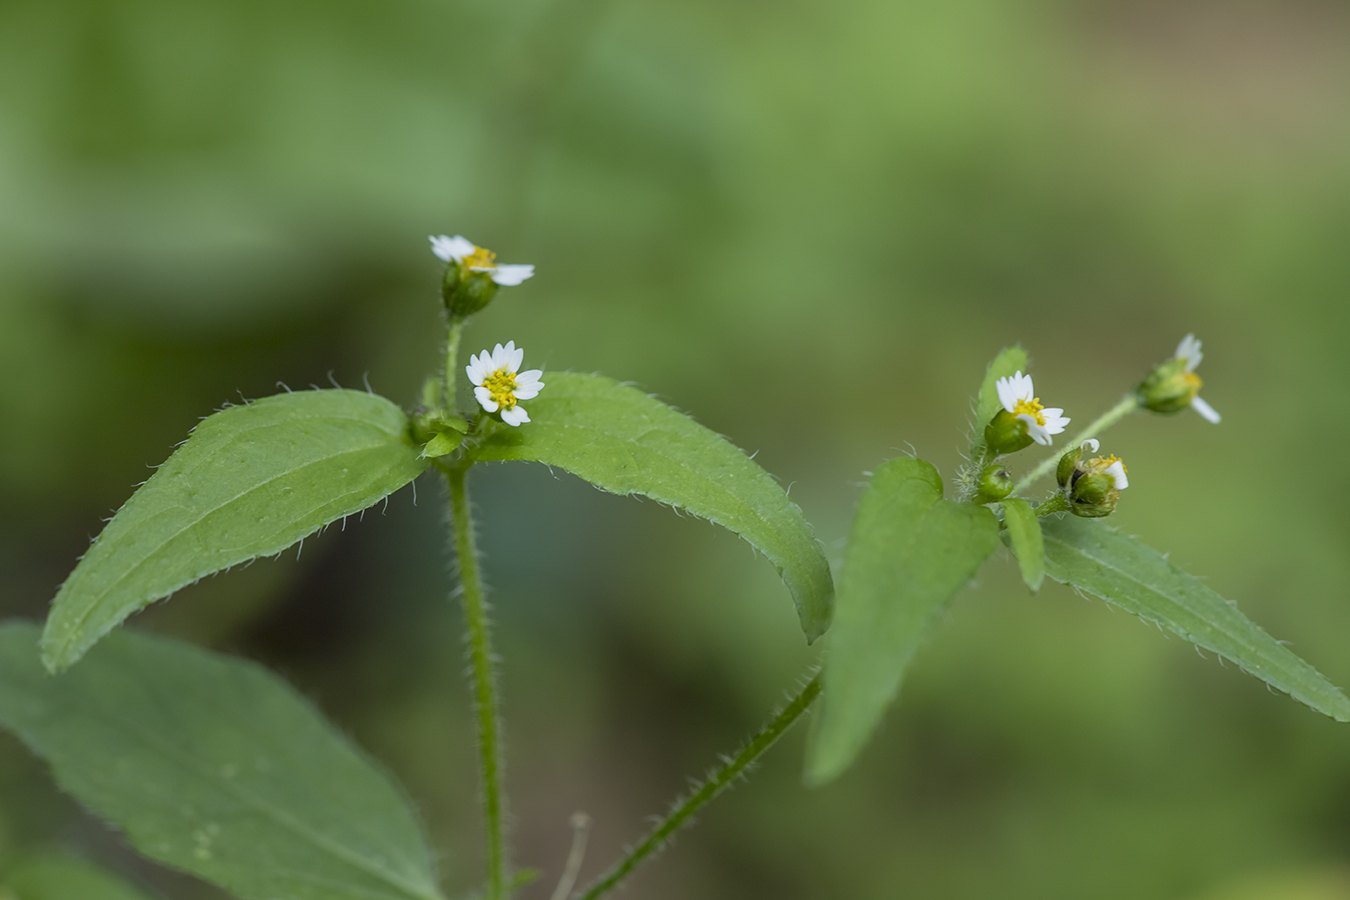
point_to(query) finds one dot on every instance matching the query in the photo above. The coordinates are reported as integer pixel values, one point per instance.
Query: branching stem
(484, 686)
(1128, 404)
(714, 785)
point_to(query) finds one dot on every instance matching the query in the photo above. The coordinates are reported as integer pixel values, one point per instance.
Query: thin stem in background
(714, 785)
(484, 686)
(1127, 405)
(581, 826)
(454, 333)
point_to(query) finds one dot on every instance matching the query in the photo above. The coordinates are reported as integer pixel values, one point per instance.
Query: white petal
(1054, 422)
(1038, 434)
(477, 369)
(1013, 388)
(1094, 445)
(527, 391)
(515, 356)
(1117, 472)
(515, 416)
(529, 376)
(448, 248)
(1189, 350)
(512, 275)
(498, 357)
(485, 399)
(1205, 410)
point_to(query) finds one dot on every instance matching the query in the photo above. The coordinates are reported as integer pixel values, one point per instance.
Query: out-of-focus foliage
(811, 225)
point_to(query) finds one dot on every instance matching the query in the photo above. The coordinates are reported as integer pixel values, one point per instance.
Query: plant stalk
(484, 686)
(453, 335)
(714, 785)
(1128, 404)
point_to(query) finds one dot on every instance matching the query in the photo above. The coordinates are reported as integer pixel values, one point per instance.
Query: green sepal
(442, 443)
(1006, 433)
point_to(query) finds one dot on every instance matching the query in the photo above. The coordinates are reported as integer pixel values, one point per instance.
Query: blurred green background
(810, 224)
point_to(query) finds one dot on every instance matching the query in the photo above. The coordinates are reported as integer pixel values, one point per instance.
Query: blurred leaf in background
(723, 201)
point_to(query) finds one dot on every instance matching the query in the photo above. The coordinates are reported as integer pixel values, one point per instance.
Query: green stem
(714, 785)
(484, 688)
(1128, 404)
(454, 333)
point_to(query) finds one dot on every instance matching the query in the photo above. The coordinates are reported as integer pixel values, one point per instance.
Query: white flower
(1188, 351)
(1019, 398)
(461, 250)
(499, 384)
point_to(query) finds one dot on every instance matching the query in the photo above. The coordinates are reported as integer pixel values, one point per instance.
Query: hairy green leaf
(249, 482)
(1120, 569)
(66, 878)
(909, 552)
(1008, 362)
(217, 767)
(1024, 533)
(623, 441)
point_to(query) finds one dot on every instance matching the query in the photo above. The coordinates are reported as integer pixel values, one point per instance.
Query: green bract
(624, 441)
(249, 482)
(909, 551)
(1123, 570)
(215, 766)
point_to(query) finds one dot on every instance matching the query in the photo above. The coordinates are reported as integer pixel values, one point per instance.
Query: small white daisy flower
(1018, 397)
(471, 258)
(498, 383)
(1188, 351)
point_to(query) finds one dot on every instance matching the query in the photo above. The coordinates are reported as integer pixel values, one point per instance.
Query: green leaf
(623, 441)
(66, 878)
(909, 552)
(1120, 569)
(1009, 361)
(217, 767)
(1024, 533)
(442, 443)
(249, 482)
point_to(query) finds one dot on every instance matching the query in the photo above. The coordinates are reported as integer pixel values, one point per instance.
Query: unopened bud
(995, 483)
(1169, 388)
(1093, 486)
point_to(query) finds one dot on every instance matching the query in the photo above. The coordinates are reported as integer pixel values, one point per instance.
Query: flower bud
(1006, 433)
(1069, 461)
(995, 483)
(1169, 388)
(1093, 486)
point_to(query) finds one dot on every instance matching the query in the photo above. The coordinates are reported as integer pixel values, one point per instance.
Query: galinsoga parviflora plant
(214, 766)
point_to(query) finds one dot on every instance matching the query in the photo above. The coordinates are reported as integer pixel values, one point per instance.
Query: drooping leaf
(623, 441)
(1008, 362)
(909, 552)
(1024, 533)
(249, 482)
(217, 767)
(66, 878)
(1123, 570)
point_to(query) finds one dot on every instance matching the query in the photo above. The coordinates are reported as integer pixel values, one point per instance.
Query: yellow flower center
(1109, 461)
(1031, 408)
(479, 259)
(501, 384)
(1192, 381)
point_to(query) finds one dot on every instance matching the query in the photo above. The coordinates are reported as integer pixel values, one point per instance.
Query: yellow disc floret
(1031, 408)
(501, 384)
(479, 259)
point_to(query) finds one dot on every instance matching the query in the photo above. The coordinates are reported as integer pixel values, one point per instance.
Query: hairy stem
(453, 335)
(1128, 404)
(484, 687)
(716, 783)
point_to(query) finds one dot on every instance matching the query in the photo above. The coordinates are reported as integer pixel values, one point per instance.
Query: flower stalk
(484, 684)
(714, 785)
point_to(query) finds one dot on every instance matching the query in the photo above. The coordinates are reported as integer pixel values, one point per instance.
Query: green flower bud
(1006, 433)
(1169, 388)
(995, 483)
(1093, 486)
